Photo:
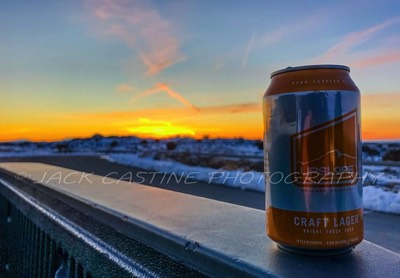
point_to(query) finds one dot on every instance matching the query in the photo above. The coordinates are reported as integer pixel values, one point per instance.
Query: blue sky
(65, 59)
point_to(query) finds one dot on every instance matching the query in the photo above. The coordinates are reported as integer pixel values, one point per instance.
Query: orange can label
(315, 230)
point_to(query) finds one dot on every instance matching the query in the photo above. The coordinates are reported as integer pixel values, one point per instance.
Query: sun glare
(159, 129)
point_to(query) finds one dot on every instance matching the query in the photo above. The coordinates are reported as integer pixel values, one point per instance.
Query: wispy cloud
(141, 27)
(165, 88)
(282, 33)
(125, 88)
(354, 39)
(221, 109)
(306, 25)
(232, 108)
(380, 59)
(248, 49)
(177, 113)
(275, 36)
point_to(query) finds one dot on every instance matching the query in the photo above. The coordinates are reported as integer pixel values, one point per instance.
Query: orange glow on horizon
(380, 117)
(380, 121)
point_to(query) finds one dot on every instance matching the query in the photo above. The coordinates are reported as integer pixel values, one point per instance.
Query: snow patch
(244, 180)
(376, 198)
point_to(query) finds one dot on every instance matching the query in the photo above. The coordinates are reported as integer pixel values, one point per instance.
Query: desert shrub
(62, 148)
(144, 142)
(392, 155)
(171, 146)
(260, 144)
(369, 150)
(24, 144)
(113, 144)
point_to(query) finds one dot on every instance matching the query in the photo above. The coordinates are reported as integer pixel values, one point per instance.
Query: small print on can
(312, 153)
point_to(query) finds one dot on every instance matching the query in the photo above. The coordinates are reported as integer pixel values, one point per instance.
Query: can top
(310, 67)
(311, 78)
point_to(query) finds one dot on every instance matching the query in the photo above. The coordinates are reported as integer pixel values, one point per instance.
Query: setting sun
(159, 129)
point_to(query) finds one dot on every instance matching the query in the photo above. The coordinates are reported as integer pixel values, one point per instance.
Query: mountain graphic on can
(336, 153)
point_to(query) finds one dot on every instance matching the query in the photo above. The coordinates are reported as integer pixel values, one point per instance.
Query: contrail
(248, 49)
(163, 87)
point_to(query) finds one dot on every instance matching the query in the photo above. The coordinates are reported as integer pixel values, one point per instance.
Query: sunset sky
(191, 68)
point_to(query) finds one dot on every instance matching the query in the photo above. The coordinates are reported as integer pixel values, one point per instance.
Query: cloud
(248, 49)
(222, 120)
(287, 31)
(221, 109)
(165, 88)
(275, 35)
(161, 114)
(377, 60)
(125, 88)
(140, 27)
(356, 38)
(283, 32)
(232, 108)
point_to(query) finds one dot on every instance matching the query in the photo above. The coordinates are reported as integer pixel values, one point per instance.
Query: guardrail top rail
(215, 238)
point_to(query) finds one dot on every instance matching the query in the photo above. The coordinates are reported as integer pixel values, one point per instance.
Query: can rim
(310, 67)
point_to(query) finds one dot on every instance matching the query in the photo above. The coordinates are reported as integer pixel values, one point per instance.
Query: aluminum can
(312, 160)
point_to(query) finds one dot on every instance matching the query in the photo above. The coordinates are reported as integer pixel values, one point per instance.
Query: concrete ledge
(215, 238)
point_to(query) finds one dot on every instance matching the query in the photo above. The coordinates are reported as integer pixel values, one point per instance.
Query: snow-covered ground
(234, 178)
(381, 184)
(376, 198)
(238, 163)
(132, 144)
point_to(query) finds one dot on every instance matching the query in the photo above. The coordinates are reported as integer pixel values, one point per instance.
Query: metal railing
(29, 251)
(49, 230)
(42, 234)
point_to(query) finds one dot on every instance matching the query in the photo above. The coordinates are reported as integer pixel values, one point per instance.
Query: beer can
(312, 160)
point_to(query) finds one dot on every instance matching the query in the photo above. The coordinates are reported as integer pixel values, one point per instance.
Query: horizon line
(167, 138)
